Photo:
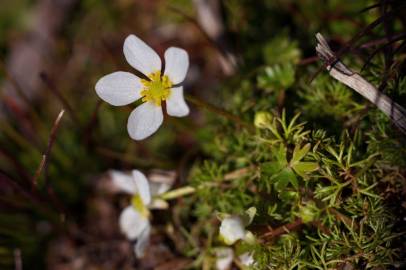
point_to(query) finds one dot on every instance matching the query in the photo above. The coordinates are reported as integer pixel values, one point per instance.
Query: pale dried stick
(45, 156)
(355, 81)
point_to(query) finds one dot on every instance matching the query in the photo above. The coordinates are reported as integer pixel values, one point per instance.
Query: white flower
(134, 219)
(122, 88)
(224, 258)
(246, 259)
(232, 229)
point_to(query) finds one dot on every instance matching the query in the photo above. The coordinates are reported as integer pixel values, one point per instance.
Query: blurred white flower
(246, 259)
(224, 258)
(122, 88)
(134, 219)
(232, 229)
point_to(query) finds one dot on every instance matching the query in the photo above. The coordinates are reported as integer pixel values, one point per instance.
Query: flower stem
(232, 117)
(179, 192)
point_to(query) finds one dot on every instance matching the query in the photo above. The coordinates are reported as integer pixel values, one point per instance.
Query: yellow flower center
(137, 203)
(157, 89)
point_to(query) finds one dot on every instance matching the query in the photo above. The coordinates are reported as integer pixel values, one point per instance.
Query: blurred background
(52, 52)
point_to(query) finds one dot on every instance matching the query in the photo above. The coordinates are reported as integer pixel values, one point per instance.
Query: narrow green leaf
(285, 177)
(271, 168)
(300, 153)
(303, 168)
(280, 155)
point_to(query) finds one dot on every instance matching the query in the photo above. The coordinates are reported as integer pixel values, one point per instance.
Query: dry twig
(45, 156)
(355, 81)
(287, 228)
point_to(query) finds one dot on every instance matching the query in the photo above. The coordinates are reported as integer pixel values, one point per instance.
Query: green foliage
(277, 77)
(281, 50)
(288, 173)
(338, 101)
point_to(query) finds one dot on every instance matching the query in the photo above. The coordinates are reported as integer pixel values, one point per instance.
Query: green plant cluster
(334, 190)
(327, 184)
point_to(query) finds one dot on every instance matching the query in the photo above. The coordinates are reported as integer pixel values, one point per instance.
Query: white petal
(124, 182)
(142, 186)
(249, 237)
(158, 204)
(132, 223)
(144, 121)
(176, 64)
(142, 242)
(119, 88)
(158, 188)
(141, 56)
(161, 181)
(224, 258)
(232, 229)
(246, 258)
(175, 104)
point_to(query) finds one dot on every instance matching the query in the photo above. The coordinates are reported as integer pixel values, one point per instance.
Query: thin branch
(343, 218)
(355, 81)
(377, 5)
(379, 41)
(351, 44)
(239, 173)
(287, 228)
(321, 227)
(46, 155)
(294, 226)
(371, 56)
(308, 60)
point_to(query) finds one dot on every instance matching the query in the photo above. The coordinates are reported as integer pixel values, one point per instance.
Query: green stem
(232, 117)
(179, 192)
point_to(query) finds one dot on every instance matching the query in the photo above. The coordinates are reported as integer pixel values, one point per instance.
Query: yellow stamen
(137, 203)
(157, 89)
